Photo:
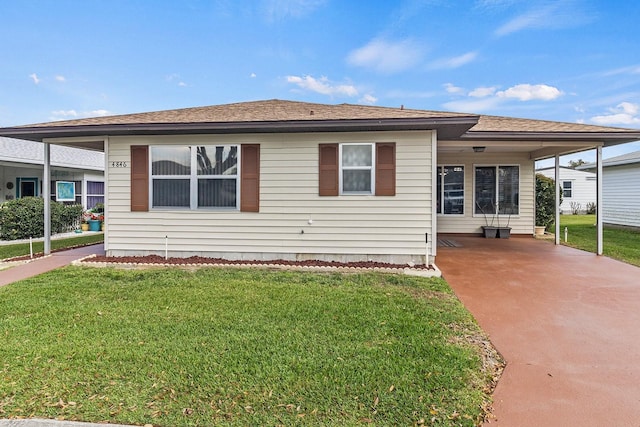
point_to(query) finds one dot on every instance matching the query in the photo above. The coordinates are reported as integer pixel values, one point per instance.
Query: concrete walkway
(48, 263)
(566, 321)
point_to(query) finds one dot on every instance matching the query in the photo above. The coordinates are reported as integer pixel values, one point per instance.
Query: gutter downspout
(46, 191)
(558, 189)
(599, 239)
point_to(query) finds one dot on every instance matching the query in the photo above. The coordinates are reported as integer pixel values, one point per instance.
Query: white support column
(558, 190)
(599, 238)
(432, 245)
(46, 194)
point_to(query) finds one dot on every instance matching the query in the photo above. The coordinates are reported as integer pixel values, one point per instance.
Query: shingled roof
(290, 116)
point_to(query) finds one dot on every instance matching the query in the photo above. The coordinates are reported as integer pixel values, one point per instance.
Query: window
(194, 177)
(497, 187)
(95, 193)
(356, 169)
(450, 188)
(566, 189)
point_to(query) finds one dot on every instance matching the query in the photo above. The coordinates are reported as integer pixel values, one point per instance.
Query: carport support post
(46, 190)
(599, 238)
(558, 189)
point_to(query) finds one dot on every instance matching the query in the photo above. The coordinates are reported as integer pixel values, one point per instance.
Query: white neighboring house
(620, 189)
(578, 187)
(22, 167)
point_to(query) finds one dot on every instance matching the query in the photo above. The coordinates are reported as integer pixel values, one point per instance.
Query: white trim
(371, 168)
(193, 178)
(464, 192)
(496, 166)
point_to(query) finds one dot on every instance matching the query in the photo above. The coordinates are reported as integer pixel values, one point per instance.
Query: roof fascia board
(40, 133)
(615, 137)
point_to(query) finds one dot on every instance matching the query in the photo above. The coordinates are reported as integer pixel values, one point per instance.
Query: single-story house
(21, 172)
(621, 189)
(578, 188)
(294, 180)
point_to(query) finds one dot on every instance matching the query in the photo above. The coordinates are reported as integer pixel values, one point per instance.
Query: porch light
(478, 149)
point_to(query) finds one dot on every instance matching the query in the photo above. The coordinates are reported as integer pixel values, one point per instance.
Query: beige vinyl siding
(390, 228)
(472, 223)
(621, 195)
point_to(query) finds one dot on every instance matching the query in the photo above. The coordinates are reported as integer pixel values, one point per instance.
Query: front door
(27, 187)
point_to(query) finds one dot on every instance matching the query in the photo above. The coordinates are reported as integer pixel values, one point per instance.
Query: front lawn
(171, 347)
(623, 245)
(21, 249)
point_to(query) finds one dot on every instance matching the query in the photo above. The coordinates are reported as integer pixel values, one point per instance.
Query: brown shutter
(328, 176)
(385, 169)
(139, 178)
(250, 178)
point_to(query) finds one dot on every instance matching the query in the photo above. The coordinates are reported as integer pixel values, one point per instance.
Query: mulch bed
(198, 260)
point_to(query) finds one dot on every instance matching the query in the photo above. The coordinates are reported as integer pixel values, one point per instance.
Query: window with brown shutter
(328, 174)
(139, 178)
(385, 169)
(250, 178)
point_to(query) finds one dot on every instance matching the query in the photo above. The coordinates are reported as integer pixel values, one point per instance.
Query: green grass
(239, 347)
(20, 249)
(623, 245)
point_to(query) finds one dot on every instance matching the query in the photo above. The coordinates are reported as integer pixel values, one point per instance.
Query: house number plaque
(119, 165)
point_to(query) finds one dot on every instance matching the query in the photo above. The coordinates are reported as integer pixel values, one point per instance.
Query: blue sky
(565, 60)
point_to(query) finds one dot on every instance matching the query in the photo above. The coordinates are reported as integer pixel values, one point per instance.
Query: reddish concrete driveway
(566, 321)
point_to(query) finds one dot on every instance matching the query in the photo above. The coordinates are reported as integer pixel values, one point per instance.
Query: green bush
(545, 200)
(23, 218)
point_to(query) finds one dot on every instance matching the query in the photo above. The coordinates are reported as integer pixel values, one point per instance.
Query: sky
(566, 60)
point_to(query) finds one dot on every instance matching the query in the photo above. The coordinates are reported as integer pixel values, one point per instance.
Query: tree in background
(575, 163)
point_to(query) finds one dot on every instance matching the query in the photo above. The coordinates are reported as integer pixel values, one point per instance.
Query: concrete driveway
(566, 321)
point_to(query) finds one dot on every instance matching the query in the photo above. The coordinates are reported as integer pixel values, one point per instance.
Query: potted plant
(504, 232)
(86, 216)
(489, 230)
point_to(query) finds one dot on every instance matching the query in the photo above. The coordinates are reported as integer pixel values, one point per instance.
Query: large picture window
(497, 187)
(356, 169)
(450, 189)
(194, 177)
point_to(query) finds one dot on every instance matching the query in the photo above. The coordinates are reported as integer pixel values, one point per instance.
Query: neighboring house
(294, 180)
(620, 189)
(22, 167)
(578, 188)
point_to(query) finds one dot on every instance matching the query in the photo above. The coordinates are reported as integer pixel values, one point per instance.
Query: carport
(566, 321)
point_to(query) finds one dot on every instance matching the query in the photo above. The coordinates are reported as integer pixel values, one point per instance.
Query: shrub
(591, 208)
(23, 218)
(575, 208)
(545, 200)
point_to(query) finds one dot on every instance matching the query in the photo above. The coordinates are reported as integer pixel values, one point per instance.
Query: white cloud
(456, 61)
(323, 86)
(73, 114)
(633, 69)
(34, 77)
(387, 56)
(527, 92)
(451, 88)
(481, 92)
(553, 15)
(276, 10)
(485, 98)
(182, 84)
(253, 75)
(61, 78)
(368, 99)
(625, 113)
